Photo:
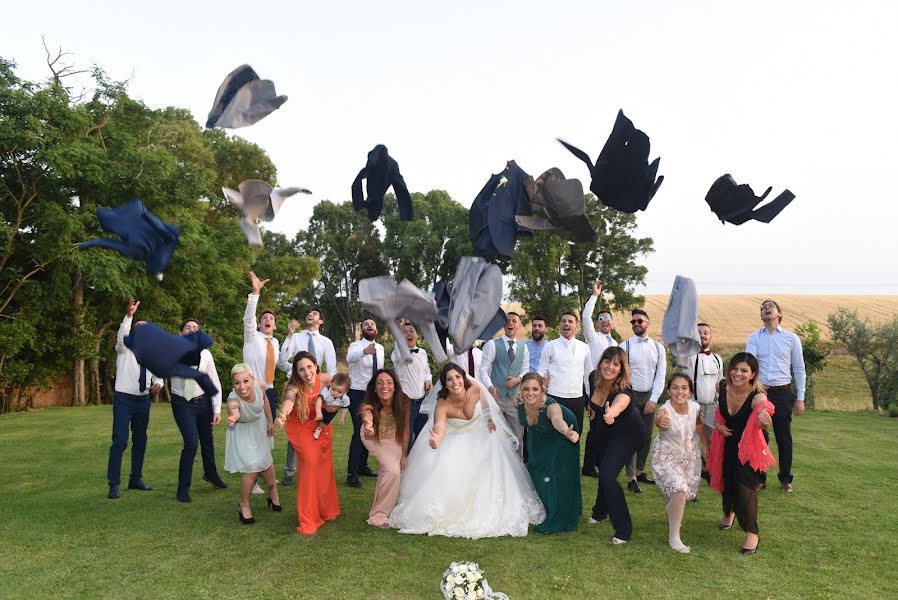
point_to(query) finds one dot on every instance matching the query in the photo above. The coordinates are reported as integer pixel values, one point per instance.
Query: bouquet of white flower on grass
(465, 581)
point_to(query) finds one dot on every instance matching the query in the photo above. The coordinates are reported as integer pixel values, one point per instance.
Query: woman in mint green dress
(553, 455)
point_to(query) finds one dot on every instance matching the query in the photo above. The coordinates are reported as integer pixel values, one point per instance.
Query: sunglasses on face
(637, 322)
(604, 318)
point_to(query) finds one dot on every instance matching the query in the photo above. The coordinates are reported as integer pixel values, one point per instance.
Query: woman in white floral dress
(676, 461)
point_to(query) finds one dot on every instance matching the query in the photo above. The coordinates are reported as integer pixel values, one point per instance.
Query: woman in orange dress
(385, 429)
(316, 488)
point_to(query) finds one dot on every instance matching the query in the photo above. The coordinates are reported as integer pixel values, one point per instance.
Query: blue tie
(311, 345)
(374, 362)
(142, 378)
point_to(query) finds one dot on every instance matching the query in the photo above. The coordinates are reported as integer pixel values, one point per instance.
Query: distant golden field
(733, 317)
(840, 386)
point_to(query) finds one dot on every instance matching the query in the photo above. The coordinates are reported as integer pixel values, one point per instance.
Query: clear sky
(799, 95)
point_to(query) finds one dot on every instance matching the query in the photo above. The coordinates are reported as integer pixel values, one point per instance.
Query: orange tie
(269, 362)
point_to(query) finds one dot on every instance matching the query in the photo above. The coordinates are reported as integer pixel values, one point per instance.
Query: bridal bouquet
(465, 581)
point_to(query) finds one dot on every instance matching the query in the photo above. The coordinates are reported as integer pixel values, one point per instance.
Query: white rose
(459, 579)
(462, 568)
(459, 594)
(480, 593)
(472, 576)
(456, 568)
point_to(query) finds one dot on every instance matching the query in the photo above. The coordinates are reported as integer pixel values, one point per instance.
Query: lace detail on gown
(473, 486)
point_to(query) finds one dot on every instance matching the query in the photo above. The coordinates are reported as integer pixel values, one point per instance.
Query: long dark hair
(401, 407)
(444, 393)
(300, 403)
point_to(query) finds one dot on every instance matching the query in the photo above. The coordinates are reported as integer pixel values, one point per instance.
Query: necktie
(471, 362)
(374, 362)
(311, 345)
(510, 350)
(142, 378)
(610, 340)
(269, 361)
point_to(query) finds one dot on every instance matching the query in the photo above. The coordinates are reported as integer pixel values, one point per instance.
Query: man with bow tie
(706, 370)
(415, 377)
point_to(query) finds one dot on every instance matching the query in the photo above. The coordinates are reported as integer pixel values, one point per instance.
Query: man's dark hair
(566, 313)
(266, 312)
(703, 325)
(639, 311)
(539, 318)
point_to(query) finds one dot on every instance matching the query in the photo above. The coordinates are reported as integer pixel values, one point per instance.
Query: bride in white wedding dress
(464, 477)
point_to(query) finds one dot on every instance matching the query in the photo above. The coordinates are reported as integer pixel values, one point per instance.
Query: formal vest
(502, 367)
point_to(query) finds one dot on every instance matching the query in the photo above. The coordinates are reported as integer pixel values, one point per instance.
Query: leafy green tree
(815, 352)
(875, 347)
(349, 248)
(428, 248)
(552, 274)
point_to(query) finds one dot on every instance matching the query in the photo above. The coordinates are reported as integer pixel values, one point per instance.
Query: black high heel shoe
(243, 519)
(748, 551)
(273, 506)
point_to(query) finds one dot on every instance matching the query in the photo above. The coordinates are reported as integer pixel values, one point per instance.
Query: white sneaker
(591, 521)
(257, 491)
(617, 541)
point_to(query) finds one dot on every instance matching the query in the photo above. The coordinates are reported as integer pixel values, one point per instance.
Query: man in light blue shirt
(780, 359)
(537, 341)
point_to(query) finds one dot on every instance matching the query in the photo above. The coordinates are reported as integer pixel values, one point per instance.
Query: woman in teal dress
(553, 455)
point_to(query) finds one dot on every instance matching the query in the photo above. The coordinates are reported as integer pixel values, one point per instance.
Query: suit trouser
(194, 420)
(637, 462)
(509, 407)
(418, 420)
(358, 454)
(783, 403)
(133, 411)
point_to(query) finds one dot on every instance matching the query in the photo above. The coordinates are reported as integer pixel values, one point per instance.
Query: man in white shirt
(312, 341)
(502, 366)
(601, 340)
(261, 350)
(648, 367)
(195, 414)
(706, 371)
(365, 358)
(780, 358)
(130, 409)
(469, 361)
(415, 377)
(565, 367)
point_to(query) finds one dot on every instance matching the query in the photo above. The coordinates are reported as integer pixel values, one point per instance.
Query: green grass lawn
(835, 537)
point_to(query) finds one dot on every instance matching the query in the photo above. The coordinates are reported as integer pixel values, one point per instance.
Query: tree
(874, 346)
(552, 274)
(348, 248)
(428, 248)
(815, 352)
(60, 159)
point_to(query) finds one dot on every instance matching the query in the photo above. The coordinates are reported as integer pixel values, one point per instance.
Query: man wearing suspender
(706, 370)
(648, 367)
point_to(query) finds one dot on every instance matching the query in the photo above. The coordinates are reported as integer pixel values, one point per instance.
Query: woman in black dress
(740, 394)
(619, 433)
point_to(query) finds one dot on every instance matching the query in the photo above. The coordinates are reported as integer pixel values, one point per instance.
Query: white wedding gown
(473, 485)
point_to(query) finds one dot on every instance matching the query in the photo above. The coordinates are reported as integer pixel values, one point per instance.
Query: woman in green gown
(553, 455)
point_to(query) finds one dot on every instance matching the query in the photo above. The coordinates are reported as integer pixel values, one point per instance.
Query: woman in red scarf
(738, 451)
(316, 489)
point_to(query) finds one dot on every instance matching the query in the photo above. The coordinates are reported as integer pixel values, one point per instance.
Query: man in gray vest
(503, 364)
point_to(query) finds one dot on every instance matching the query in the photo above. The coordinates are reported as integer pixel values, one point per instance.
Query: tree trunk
(78, 383)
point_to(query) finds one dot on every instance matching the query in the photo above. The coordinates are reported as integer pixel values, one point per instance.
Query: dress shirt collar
(506, 339)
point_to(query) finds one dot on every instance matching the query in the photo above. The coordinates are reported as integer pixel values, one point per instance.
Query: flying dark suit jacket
(491, 220)
(381, 171)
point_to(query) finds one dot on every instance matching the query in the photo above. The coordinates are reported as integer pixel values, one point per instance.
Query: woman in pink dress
(385, 429)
